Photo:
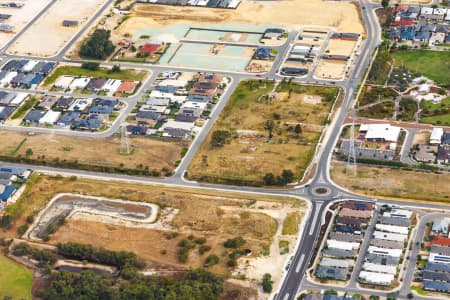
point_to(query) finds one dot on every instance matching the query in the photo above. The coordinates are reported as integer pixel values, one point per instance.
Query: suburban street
(294, 279)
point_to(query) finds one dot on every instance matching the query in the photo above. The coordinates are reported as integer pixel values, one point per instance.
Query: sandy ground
(330, 69)
(422, 137)
(49, 27)
(290, 13)
(341, 47)
(20, 17)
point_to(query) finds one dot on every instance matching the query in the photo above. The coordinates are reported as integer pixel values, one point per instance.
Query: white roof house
(111, 86)
(389, 236)
(379, 268)
(398, 213)
(339, 263)
(439, 11)
(376, 278)
(30, 65)
(192, 104)
(441, 225)
(8, 78)
(79, 83)
(384, 251)
(436, 258)
(63, 82)
(384, 132)
(20, 97)
(342, 245)
(392, 228)
(80, 104)
(50, 118)
(233, 3)
(159, 94)
(436, 135)
(178, 125)
(426, 11)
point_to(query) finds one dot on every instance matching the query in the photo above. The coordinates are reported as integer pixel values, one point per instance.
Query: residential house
(114, 104)
(137, 130)
(443, 155)
(148, 118)
(96, 84)
(80, 104)
(149, 48)
(101, 110)
(34, 116)
(126, 87)
(23, 80)
(5, 112)
(64, 102)
(47, 102)
(273, 33)
(6, 98)
(386, 244)
(346, 212)
(43, 67)
(15, 65)
(79, 83)
(376, 278)
(91, 122)
(177, 133)
(379, 132)
(111, 86)
(437, 38)
(262, 53)
(332, 273)
(441, 226)
(436, 136)
(338, 253)
(50, 118)
(339, 236)
(67, 119)
(63, 82)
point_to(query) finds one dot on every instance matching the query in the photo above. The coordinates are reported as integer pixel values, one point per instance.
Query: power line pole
(351, 155)
(124, 143)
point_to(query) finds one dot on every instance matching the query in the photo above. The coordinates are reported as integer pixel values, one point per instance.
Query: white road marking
(316, 213)
(299, 264)
(286, 297)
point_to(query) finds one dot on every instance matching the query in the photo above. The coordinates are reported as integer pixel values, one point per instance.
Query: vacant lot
(432, 64)
(344, 16)
(201, 213)
(297, 114)
(49, 27)
(100, 154)
(15, 280)
(126, 74)
(387, 182)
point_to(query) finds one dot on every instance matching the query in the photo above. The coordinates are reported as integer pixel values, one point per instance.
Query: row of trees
(119, 259)
(287, 176)
(98, 45)
(196, 285)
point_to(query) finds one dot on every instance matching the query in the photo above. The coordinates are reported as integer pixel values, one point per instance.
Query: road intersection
(320, 191)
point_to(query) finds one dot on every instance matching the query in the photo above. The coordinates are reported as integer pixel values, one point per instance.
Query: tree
(269, 125)
(90, 66)
(298, 129)
(98, 45)
(269, 179)
(267, 283)
(5, 221)
(410, 296)
(234, 242)
(220, 138)
(211, 260)
(385, 3)
(116, 69)
(287, 176)
(29, 152)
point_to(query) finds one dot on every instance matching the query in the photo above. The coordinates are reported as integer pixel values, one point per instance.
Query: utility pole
(124, 143)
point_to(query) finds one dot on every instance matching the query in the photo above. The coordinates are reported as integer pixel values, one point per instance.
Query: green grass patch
(126, 74)
(436, 120)
(15, 280)
(435, 113)
(26, 106)
(16, 209)
(418, 290)
(432, 64)
(291, 223)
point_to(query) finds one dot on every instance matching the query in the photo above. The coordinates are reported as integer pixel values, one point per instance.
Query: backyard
(388, 182)
(270, 132)
(15, 280)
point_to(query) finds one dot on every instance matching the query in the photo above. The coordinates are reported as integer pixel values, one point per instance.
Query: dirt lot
(20, 16)
(341, 47)
(331, 69)
(250, 154)
(344, 16)
(422, 137)
(256, 218)
(49, 27)
(386, 182)
(98, 152)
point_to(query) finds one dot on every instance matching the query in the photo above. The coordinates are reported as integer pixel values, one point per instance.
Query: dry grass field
(250, 153)
(151, 153)
(344, 16)
(49, 27)
(202, 213)
(387, 182)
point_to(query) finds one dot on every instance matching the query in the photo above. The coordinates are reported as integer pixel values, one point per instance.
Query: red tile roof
(149, 48)
(403, 23)
(127, 87)
(442, 241)
(402, 8)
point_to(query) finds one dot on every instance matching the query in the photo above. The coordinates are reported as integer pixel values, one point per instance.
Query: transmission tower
(351, 155)
(124, 143)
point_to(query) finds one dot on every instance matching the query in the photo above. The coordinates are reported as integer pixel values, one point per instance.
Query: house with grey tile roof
(386, 244)
(332, 273)
(395, 221)
(345, 237)
(441, 250)
(338, 253)
(382, 259)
